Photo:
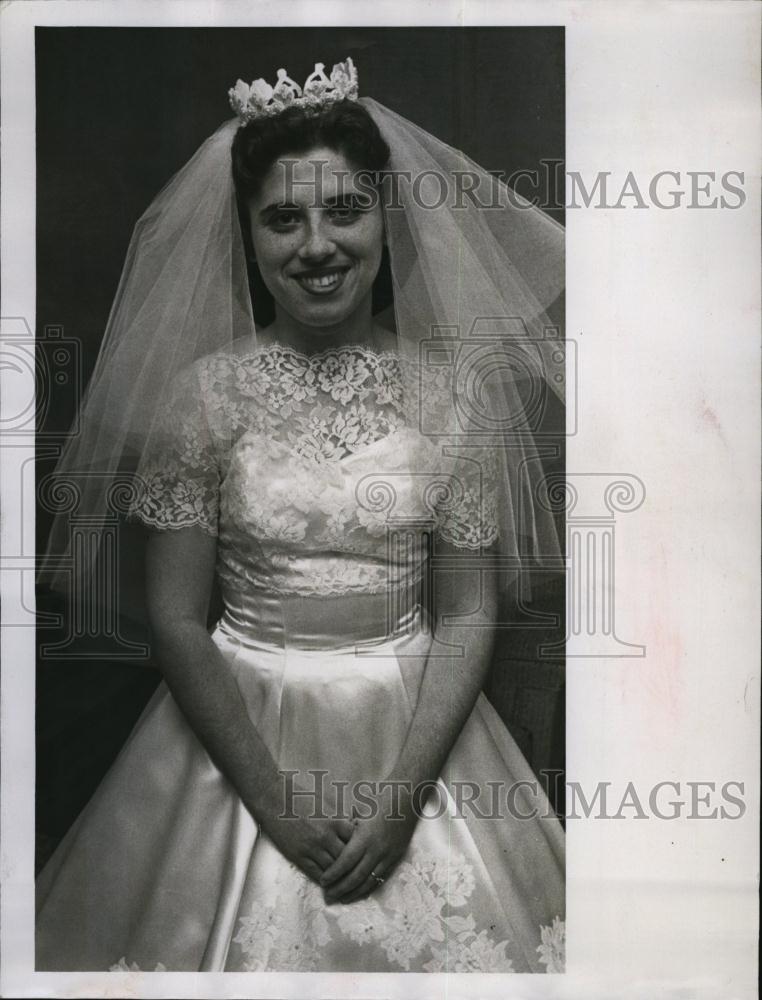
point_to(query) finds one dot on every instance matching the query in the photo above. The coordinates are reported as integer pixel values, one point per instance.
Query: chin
(328, 314)
(325, 320)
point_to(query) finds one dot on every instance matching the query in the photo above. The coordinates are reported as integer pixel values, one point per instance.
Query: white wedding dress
(301, 465)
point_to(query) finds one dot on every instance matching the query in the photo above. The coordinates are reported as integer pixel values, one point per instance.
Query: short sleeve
(179, 475)
(467, 516)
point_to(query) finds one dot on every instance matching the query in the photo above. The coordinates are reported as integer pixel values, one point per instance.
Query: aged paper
(635, 125)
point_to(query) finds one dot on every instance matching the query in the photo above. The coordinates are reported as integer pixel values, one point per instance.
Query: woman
(314, 786)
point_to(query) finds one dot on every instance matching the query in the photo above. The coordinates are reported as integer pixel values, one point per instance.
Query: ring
(378, 878)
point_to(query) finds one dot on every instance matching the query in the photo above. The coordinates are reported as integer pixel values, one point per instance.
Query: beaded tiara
(260, 100)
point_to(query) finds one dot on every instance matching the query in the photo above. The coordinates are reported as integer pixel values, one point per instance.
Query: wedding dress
(322, 496)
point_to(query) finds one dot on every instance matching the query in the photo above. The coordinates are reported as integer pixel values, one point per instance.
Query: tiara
(260, 100)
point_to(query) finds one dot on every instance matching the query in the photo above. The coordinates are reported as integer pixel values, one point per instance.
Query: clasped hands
(348, 858)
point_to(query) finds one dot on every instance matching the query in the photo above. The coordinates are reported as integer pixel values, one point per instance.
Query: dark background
(119, 111)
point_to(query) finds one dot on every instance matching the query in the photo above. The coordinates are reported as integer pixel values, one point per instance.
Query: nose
(317, 244)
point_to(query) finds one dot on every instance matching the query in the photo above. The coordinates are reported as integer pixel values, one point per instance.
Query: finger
(344, 828)
(322, 858)
(351, 882)
(311, 869)
(346, 861)
(369, 885)
(334, 844)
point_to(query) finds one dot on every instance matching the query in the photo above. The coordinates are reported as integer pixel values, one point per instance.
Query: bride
(319, 783)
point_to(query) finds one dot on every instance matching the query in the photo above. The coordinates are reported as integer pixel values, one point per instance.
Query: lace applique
(287, 383)
(271, 940)
(553, 947)
(122, 966)
(411, 920)
(282, 572)
(468, 514)
(261, 441)
(327, 432)
(179, 477)
(169, 503)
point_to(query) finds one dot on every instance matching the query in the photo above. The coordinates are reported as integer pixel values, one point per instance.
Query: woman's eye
(344, 213)
(283, 219)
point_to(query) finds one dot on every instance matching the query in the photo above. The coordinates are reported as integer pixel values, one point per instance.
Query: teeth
(321, 281)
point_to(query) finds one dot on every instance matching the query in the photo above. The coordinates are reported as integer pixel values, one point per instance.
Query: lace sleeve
(467, 516)
(178, 476)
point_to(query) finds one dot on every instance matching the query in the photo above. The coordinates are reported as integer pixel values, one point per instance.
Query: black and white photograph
(323, 432)
(380, 448)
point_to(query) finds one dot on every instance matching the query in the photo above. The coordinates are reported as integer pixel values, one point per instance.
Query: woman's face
(317, 249)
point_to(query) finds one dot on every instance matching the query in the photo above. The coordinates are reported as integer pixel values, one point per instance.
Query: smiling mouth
(322, 282)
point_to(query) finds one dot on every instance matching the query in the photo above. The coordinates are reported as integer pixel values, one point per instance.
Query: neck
(355, 329)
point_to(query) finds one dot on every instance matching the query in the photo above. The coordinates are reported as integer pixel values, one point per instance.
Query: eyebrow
(280, 206)
(284, 206)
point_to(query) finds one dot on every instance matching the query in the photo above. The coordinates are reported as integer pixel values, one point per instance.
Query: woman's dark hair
(345, 127)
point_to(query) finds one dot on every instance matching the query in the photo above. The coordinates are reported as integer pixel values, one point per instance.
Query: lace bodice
(311, 471)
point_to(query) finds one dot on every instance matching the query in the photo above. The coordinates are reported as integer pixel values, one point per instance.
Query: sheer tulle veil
(472, 285)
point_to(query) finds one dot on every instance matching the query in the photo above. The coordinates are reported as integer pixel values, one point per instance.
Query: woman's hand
(179, 579)
(449, 689)
(377, 844)
(313, 845)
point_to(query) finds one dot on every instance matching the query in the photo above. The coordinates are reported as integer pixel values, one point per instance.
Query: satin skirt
(166, 870)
